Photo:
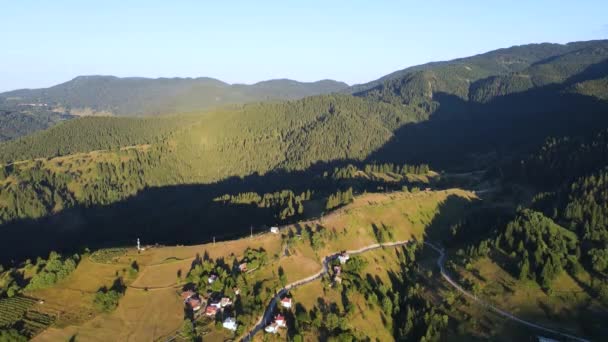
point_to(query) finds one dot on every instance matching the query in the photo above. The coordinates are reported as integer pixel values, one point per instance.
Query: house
(225, 301)
(237, 291)
(545, 339)
(343, 257)
(337, 270)
(230, 324)
(272, 328)
(212, 278)
(280, 321)
(243, 267)
(286, 302)
(215, 303)
(187, 294)
(274, 230)
(211, 310)
(194, 303)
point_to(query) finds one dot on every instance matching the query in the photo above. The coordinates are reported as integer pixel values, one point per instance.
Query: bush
(106, 301)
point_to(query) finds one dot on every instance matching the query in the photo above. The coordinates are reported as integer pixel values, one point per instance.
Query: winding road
(262, 322)
(267, 316)
(444, 274)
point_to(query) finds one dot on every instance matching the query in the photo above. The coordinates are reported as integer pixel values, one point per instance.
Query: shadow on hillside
(452, 210)
(470, 133)
(456, 135)
(179, 214)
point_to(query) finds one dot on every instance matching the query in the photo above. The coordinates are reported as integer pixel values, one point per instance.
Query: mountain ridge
(142, 96)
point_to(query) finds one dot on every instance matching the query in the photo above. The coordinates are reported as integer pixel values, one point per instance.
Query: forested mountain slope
(16, 121)
(136, 96)
(496, 62)
(180, 163)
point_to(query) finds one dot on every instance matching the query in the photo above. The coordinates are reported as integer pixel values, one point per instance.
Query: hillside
(389, 293)
(81, 171)
(138, 96)
(16, 121)
(492, 63)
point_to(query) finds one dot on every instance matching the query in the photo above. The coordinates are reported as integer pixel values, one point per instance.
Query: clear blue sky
(49, 42)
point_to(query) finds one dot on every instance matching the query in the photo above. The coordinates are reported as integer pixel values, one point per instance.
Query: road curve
(267, 316)
(445, 275)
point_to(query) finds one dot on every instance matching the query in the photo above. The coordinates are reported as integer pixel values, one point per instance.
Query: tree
(188, 331)
(282, 277)
(106, 300)
(524, 267)
(11, 335)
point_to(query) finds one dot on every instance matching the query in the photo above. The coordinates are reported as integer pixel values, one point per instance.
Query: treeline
(286, 203)
(36, 189)
(340, 198)
(350, 171)
(89, 134)
(559, 160)
(43, 273)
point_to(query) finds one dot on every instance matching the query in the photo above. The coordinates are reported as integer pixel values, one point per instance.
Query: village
(212, 301)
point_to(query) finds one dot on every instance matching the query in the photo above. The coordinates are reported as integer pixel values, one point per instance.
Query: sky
(49, 42)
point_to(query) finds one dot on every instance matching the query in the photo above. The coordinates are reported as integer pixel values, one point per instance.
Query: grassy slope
(140, 316)
(157, 312)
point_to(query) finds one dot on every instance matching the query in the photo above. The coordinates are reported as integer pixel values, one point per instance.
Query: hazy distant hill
(136, 96)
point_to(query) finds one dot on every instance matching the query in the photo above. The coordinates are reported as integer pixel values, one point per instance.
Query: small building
(286, 302)
(545, 339)
(343, 257)
(212, 278)
(274, 230)
(225, 301)
(280, 321)
(187, 294)
(272, 328)
(230, 324)
(215, 303)
(211, 310)
(237, 291)
(194, 303)
(337, 270)
(337, 279)
(243, 267)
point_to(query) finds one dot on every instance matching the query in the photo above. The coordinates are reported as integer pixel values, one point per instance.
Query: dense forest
(425, 116)
(16, 121)
(531, 120)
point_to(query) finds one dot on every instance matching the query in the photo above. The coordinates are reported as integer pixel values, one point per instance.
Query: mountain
(492, 63)
(51, 178)
(137, 96)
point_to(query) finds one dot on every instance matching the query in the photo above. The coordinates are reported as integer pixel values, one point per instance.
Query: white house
(280, 321)
(343, 257)
(286, 302)
(274, 230)
(272, 328)
(230, 324)
(225, 301)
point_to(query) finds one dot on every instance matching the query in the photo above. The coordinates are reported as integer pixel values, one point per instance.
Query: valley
(461, 200)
